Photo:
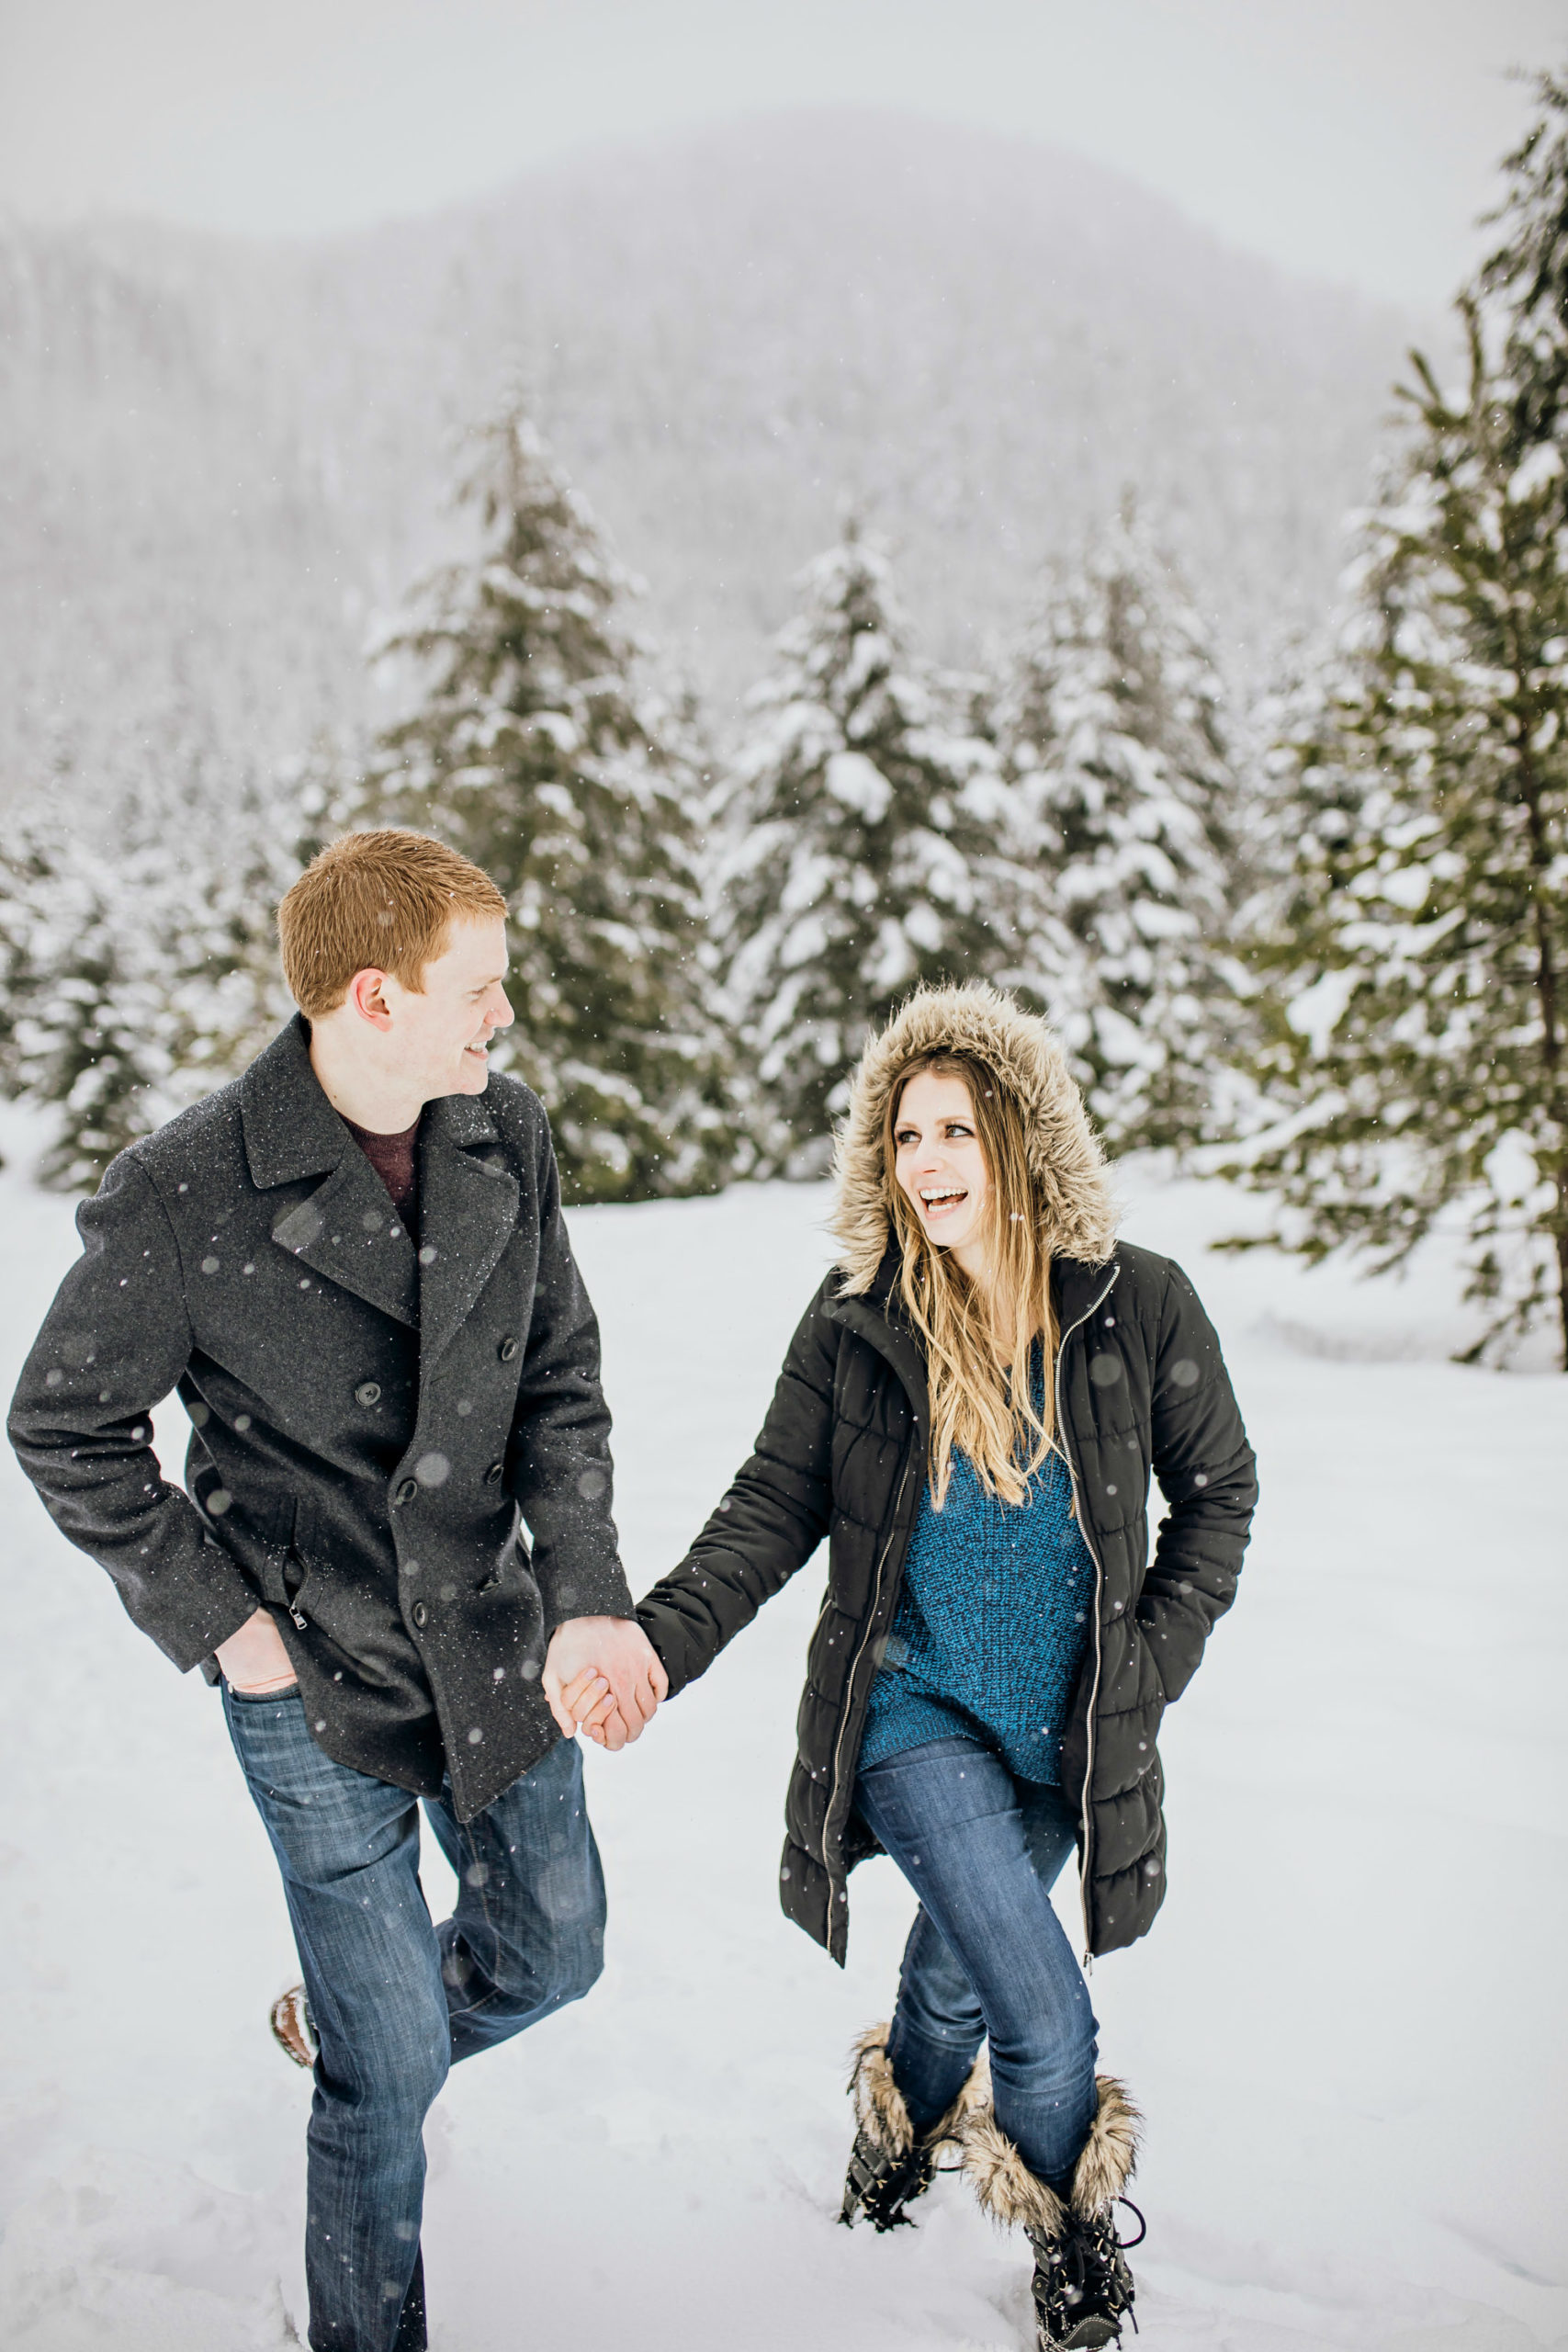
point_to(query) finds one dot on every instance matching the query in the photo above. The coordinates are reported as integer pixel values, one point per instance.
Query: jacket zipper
(854, 1662)
(1099, 1588)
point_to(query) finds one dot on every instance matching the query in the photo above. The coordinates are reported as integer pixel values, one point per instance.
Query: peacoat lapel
(467, 1215)
(347, 1229)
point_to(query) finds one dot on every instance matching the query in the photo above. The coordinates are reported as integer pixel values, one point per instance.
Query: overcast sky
(1354, 139)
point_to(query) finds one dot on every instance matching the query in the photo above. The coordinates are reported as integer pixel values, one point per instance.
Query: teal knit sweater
(991, 1626)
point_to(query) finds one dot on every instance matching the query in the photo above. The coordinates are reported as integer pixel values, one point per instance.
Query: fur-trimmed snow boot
(889, 2168)
(1083, 2289)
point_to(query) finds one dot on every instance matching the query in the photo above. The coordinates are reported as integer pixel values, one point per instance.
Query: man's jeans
(987, 1958)
(395, 1999)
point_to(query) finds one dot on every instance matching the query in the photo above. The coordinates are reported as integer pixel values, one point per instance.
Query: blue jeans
(397, 2001)
(987, 1958)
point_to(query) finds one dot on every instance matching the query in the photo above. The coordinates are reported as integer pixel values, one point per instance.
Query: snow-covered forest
(1297, 899)
(799, 562)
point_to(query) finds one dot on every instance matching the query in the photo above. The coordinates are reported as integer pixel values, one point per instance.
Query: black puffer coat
(1141, 1386)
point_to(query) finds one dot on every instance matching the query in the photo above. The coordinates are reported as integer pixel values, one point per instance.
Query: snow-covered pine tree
(1523, 289)
(538, 747)
(1113, 733)
(26, 859)
(1418, 960)
(868, 849)
(139, 957)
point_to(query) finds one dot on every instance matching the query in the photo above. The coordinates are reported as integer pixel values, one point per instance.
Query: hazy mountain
(220, 459)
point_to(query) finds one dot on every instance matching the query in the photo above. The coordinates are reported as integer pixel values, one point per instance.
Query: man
(396, 1550)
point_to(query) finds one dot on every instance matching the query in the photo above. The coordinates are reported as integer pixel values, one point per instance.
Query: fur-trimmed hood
(1064, 1157)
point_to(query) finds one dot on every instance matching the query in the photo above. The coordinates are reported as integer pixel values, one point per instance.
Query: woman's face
(938, 1162)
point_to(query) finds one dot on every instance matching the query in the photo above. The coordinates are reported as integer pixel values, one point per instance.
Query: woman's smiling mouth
(941, 1202)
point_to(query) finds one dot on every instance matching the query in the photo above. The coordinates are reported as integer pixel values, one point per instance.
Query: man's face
(439, 1037)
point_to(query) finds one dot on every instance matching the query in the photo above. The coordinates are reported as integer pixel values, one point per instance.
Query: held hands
(602, 1674)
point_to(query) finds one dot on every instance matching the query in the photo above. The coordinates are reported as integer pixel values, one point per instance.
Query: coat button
(405, 1490)
(418, 1612)
(507, 1348)
(493, 1474)
(367, 1393)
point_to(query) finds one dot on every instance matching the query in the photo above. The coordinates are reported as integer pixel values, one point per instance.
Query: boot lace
(1082, 2274)
(880, 2185)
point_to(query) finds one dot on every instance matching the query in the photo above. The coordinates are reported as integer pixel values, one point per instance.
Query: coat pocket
(258, 1535)
(293, 1564)
(513, 1562)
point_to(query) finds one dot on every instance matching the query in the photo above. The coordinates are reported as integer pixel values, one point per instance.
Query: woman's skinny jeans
(987, 1958)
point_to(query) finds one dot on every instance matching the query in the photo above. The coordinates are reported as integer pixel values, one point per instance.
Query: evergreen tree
(538, 750)
(140, 966)
(1113, 733)
(1419, 961)
(867, 850)
(1523, 287)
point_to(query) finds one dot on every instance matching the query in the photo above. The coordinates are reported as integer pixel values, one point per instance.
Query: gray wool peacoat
(400, 1444)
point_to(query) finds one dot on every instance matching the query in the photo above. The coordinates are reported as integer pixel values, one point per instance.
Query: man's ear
(366, 997)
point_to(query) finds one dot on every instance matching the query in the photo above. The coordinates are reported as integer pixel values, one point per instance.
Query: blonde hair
(975, 1404)
(382, 901)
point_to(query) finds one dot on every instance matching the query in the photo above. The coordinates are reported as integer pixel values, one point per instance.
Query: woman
(970, 1412)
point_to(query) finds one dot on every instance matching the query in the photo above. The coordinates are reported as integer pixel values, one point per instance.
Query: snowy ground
(1346, 2027)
